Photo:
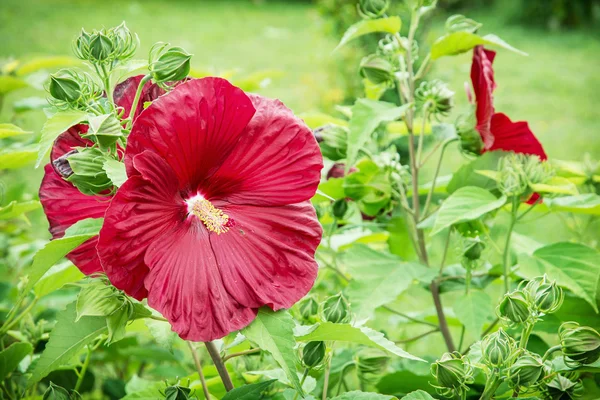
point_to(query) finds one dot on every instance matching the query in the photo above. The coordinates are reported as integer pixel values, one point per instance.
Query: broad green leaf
(365, 26)
(9, 130)
(15, 209)
(473, 310)
(66, 340)
(412, 376)
(115, 170)
(467, 174)
(418, 395)
(274, 332)
(17, 157)
(466, 204)
(588, 203)
(9, 83)
(573, 266)
(328, 331)
(88, 226)
(367, 115)
(12, 356)
(358, 395)
(379, 278)
(248, 392)
(460, 42)
(49, 62)
(556, 185)
(333, 188)
(54, 126)
(96, 300)
(57, 277)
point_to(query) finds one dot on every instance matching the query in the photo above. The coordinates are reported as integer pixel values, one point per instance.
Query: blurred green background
(556, 88)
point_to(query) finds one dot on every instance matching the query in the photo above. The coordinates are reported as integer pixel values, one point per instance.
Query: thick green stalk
(219, 364)
(525, 335)
(491, 385)
(84, 367)
(506, 257)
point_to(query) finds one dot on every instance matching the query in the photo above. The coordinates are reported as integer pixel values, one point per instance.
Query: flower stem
(408, 317)
(220, 365)
(327, 373)
(491, 385)
(306, 370)
(525, 335)
(506, 257)
(241, 353)
(84, 367)
(199, 369)
(551, 351)
(136, 100)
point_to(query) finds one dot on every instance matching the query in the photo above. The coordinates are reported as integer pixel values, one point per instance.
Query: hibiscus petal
(267, 256)
(193, 128)
(482, 76)
(515, 136)
(276, 162)
(124, 94)
(185, 285)
(144, 207)
(68, 140)
(65, 205)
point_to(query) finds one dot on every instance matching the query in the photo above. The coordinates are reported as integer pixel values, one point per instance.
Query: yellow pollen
(214, 219)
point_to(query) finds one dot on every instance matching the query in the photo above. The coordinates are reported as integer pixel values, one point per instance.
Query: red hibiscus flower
(214, 220)
(497, 131)
(63, 203)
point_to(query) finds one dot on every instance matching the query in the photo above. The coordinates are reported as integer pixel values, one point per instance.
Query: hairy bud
(313, 354)
(336, 309)
(333, 140)
(547, 295)
(63, 87)
(460, 23)
(453, 373)
(168, 64)
(177, 392)
(515, 307)
(560, 387)
(435, 97)
(339, 208)
(100, 47)
(497, 348)
(372, 8)
(72, 89)
(308, 308)
(106, 45)
(55, 392)
(470, 139)
(377, 69)
(389, 46)
(580, 344)
(526, 370)
(372, 361)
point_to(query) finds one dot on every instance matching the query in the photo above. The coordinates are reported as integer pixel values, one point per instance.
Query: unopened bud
(514, 307)
(55, 392)
(547, 295)
(178, 393)
(460, 23)
(372, 361)
(313, 354)
(435, 96)
(308, 308)
(336, 309)
(470, 139)
(64, 87)
(452, 372)
(497, 348)
(580, 344)
(338, 170)
(100, 47)
(169, 64)
(61, 165)
(560, 387)
(333, 140)
(339, 208)
(472, 248)
(372, 8)
(376, 69)
(526, 370)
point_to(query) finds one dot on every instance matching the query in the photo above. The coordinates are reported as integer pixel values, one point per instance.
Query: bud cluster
(453, 374)
(498, 348)
(435, 97)
(106, 46)
(563, 388)
(370, 9)
(518, 172)
(168, 64)
(72, 89)
(470, 139)
(178, 392)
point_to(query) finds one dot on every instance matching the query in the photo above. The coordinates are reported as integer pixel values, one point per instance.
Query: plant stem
(525, 335)
(107, 87)
(435, 291)
(327, 373)
(241, 353)
(422, 134)
(422, 335)
(424, 67)
(551, 351)
(136, 100)
(219, 364)
(436, 174)
(408, 317)
(157, 318)
(199, 369)
(12, 321)
(84, 367)
(506, 256)
(491, 385)
(302, 381)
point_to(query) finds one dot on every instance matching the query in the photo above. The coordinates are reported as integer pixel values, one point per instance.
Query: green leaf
(466, 204)
(88, 226)
(97, 300)
(365, 26)
(467, 174)
(328, 331)
(461, 42)
(10, 130)
(358, 395)
(12, 356)
(473, 310)
(56, 278)
(556, 185)
(248, 392)
(367, 115)
(17, 157)
(115, 170)
(369, 186)
(573, 266)
(15, 209)
(9, 83)
(588, 203)
(54, 126)
(274, 332)
(418, 395)
(379, 278)
(66, 340)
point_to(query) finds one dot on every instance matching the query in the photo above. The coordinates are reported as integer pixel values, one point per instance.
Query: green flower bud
(333, 141)
(497, 348)
(372, 8)
(336, 309)
(100, 47)
(81, 45)
(377, 69)
(526, 370)
(453, 373)
(435, 96)
(308, 308)
(560, 387)
(514, 307)
(126, 43)
(547, 296)
(580, 344)
(372, 361)
(55, 392)
(472, 248)
(88, 174)
(64, 87)
(470, 139)
(390, 47)
(460, 23)
(339, 208)
(513, 180)
(168, 64)
(313, 354)
(178, 393)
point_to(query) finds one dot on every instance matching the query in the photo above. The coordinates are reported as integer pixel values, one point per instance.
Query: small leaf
(467, 174)
(573, 265)
(358, 395)
(466, 204)
(15, 209)
(248, 392)
(54, 126)
(388, 25)
(9, 83)
(115, 170)
(12, 356)
(328, 331)
(58, 276)
(274, 332)
(556, 185)
(418, 395)
(473, 310)
(10, 130)
(17, 157)
(462, 41)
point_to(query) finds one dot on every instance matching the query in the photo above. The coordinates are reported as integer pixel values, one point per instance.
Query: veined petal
(515, 136)
(276, 162)
(144, 207)
(482, 76)
(185, 284)
(267, 256)
(193, 128)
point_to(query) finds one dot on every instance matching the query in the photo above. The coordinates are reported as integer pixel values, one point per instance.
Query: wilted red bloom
(497, 131)
(63, 203)
(215, 219)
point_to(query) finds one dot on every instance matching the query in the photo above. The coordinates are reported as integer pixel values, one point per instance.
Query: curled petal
(515, 136)
(482, 76)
